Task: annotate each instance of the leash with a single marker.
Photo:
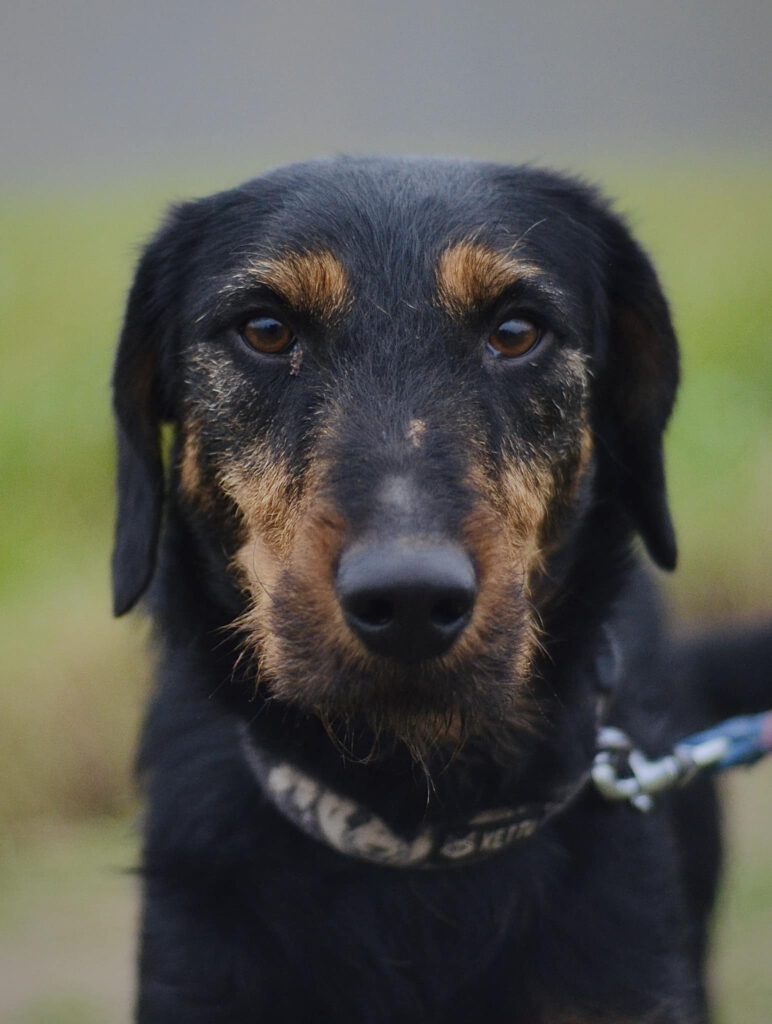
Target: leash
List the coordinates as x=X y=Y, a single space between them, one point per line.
x=622 y=772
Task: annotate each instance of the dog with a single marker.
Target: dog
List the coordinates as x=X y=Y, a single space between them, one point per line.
x=392 y=557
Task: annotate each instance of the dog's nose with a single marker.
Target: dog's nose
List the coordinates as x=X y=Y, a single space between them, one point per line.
x=405 y=601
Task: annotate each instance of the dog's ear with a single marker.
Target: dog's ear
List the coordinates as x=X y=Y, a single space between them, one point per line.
x=140 y=389
x=642 y=380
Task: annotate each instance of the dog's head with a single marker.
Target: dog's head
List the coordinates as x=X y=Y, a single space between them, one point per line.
x=400 y=390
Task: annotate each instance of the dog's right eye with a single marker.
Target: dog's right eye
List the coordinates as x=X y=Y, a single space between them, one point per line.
x=268 y=335
x=514 y=338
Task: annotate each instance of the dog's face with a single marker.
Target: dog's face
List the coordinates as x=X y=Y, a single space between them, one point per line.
x=395 y=387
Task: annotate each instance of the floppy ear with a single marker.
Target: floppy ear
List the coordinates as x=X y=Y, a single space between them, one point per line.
x=139 y=406
x=642 y=384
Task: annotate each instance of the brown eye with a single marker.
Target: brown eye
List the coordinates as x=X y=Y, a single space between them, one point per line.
x=514 y=338
x=268 y=335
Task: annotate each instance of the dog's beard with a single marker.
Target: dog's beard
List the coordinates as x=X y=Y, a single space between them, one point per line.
x=484 y=691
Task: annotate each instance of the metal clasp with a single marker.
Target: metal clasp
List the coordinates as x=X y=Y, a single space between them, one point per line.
x=622 y=772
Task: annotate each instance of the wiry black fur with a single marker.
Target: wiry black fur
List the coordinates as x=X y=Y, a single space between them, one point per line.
x=602 y=916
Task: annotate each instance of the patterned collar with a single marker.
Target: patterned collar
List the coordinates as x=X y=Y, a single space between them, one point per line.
x=352 y=829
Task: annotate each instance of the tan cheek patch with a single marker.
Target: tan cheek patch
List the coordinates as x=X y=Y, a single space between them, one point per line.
x=498 y=600
x=503 y=535
x=415 y=433
x=312 y=282
x=265 y=495
x=190 y=463
x=287 y=529
x=524 y=498
x=584 y=462
x=470 y=276
x=309 y=580
x=519 y=496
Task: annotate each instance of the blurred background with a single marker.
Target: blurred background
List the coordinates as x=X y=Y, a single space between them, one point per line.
x=108 y=112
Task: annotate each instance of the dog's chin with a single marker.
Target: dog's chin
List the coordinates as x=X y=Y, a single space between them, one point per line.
x=427 y=735
x=433 y=710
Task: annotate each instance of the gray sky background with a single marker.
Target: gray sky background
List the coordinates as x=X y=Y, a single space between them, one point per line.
x=98 y=91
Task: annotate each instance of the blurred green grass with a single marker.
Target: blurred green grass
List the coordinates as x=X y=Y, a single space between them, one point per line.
x=74 y=680
x=67 y=917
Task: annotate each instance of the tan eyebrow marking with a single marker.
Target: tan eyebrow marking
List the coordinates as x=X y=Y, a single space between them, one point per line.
x=471 y=275
x=312 y=282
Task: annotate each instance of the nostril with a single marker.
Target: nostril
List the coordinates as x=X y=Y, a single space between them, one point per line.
x=372 y=611
x=449 y=611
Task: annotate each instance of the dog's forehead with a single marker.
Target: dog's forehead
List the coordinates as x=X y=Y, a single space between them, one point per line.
x=370 y=203
x=390 y=223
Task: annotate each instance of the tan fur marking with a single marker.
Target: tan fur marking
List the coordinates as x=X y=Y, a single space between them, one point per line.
x=503 y=532
x=286 y=529
x=262 y=490
x=521 y=495
x=586 y=453
x=416 y=430
x=315 y=553
x=190 y=463
x=471 y=275
x=313 y=282
x=500 y=565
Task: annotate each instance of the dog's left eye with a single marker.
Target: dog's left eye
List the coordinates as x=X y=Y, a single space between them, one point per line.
x=268 y=335
x=514 y=338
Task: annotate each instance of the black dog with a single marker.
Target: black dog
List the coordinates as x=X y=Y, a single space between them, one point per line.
x=418 y=412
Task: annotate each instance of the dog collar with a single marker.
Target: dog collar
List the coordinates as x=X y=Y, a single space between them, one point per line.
x=354 y=830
